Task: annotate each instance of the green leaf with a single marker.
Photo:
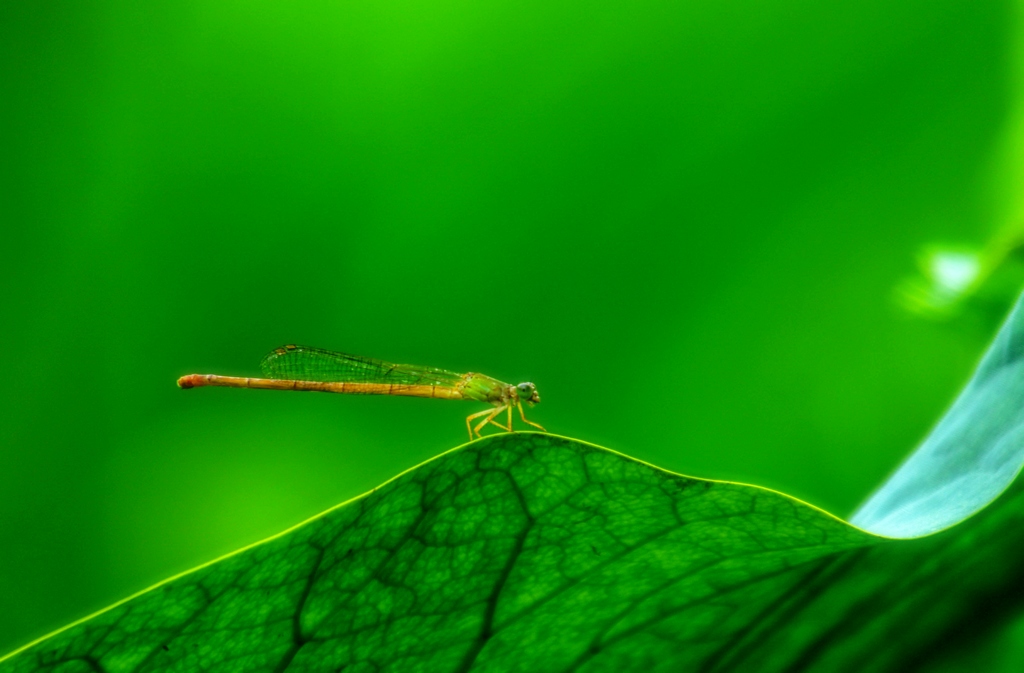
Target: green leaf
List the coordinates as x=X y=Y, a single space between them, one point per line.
x=540 y=553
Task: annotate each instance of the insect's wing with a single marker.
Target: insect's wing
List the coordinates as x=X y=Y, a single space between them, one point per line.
x=302 y=363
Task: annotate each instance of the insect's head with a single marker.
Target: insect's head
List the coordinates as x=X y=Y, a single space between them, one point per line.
x=528 y=393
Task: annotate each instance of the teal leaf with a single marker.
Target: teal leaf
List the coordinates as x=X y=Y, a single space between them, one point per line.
x=971 y=456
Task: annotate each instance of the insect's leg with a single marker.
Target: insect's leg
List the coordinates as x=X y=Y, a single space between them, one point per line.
x=523 y=416
x=489 y=419
x=470 y=418
x=507 y=428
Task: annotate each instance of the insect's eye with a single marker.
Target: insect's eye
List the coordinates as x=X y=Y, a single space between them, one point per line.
x=524 y=387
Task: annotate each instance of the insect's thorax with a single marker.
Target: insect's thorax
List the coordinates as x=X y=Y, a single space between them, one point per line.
x=480 y=387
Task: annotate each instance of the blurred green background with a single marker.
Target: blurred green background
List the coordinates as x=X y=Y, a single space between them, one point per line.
x=683 y=220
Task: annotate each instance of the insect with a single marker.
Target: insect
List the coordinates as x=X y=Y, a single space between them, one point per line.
x=294 y=367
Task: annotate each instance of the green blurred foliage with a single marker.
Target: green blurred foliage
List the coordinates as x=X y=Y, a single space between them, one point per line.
x=682 y=220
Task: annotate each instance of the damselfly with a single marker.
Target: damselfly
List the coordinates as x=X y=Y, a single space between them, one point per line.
x=313 y=369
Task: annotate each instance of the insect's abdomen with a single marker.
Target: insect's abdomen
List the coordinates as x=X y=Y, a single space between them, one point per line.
x=345 y=388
